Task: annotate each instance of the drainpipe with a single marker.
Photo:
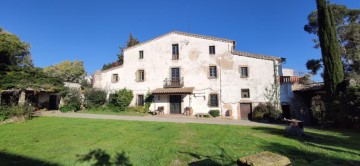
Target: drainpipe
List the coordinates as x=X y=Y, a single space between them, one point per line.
x=221 y=110
x=277 y=100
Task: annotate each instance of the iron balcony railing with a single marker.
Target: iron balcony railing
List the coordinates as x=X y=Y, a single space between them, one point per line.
x=174 y=82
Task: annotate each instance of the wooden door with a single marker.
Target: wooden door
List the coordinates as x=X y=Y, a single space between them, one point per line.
x=245 y=111
x=175 y=104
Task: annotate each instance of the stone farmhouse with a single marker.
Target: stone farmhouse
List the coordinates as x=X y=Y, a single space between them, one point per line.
x=189 y=70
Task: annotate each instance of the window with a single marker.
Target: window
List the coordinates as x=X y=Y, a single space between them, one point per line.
x=245 y=93
x=140 y=100
x=244 y=72
x=140 y=75
x=211 y=49
x=175 y=51
x=214 y=102
x=115 y=78
x=212 y=72
x=141 y=54
x=175 y=74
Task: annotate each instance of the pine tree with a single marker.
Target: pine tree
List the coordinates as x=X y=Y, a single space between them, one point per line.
x=132 y=41
x=333 y=67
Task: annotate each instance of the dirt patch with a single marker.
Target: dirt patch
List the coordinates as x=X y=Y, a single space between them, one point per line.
x=228 y=106
x=194 y=54
x=226 y=62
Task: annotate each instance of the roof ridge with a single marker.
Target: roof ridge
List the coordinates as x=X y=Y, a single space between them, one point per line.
x=181 y=33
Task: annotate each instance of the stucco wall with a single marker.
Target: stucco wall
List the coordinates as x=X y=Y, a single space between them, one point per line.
x=194 y=61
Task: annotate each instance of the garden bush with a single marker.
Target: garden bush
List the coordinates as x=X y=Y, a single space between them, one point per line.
x=266 y=112
x=94 y=98
x=318 y=109
x=148 y=100
x=139 y=109
x=72 y=100
x=121 y=99
x=349 y=106
x=10 y=111
x=214 y=113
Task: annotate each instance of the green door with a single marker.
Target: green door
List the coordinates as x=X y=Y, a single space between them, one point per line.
x=175 y=104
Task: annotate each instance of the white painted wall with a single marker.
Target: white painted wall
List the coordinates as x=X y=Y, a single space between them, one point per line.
x=288 y=72
x=194 y=61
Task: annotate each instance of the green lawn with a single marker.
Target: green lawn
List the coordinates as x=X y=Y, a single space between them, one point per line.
x=71 y=141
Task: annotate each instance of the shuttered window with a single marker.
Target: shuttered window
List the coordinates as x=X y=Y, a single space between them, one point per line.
x=212 y=72
x=140 y=100
x=175 y=51
x=115 y=78
x=244 y=72
x=213 y=100
x=140 y=75
x=211 y=49
x=141 y=54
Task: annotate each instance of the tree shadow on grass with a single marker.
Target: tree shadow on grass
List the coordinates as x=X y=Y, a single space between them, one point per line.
x=327 y=142
x=102 y=158
x=220 y=160
x=13 y=159
x=305 y=157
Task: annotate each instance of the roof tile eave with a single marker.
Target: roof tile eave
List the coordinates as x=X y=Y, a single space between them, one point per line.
x=258 y=56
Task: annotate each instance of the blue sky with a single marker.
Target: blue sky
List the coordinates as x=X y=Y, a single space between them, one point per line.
x=93 y=30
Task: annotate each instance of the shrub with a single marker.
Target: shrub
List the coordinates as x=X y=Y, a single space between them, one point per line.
x=214 y=113
x=148 y=100
x=121 y=99
x=72 y=100
x=7 y=112
x=94 y=98
x=349 y=114
x=318 y=109
x=266 y=112
x=139 y=109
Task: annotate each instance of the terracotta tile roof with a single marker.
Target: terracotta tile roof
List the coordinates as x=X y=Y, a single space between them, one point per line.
x=258 y=56
x=184 y=34
x=185 y=90
x=317 y=86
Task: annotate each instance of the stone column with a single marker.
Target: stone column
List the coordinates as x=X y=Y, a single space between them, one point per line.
x=22 y=99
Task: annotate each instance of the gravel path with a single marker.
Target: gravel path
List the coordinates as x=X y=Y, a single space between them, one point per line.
x=156 y=118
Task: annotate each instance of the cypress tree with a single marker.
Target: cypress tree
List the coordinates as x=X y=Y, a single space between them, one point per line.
x=333 y=67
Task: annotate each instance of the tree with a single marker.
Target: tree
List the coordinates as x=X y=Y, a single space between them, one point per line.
x=314 y=65
x=17 y=70
x=333 y=67
x=68 y=71
x=129 y=43
x=13 y=51
x=132 y=41
x=348 y=30
x=22 y=78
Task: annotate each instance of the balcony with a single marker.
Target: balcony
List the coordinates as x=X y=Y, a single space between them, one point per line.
x=174 y=83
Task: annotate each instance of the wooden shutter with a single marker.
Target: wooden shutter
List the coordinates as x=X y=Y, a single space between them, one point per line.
x=137 y=76
x=144 y=74
x=208 y=71
x=209 y=100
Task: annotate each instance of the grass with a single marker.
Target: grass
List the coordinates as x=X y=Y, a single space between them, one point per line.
x=108 y=112
x=71 y=141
